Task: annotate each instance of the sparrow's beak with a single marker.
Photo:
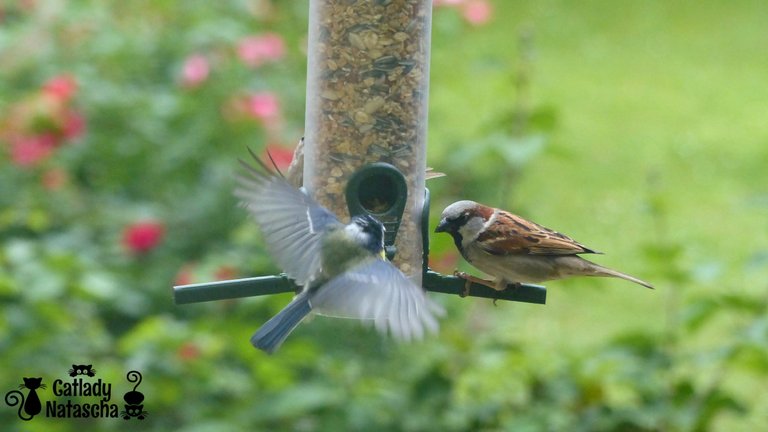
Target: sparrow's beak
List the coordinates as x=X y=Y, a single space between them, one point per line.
x=442 y=226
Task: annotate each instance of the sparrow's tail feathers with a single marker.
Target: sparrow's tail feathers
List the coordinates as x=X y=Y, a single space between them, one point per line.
x=602 y=271
x=272 y=334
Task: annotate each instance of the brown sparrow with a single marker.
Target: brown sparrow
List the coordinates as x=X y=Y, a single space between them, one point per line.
x=515 y=250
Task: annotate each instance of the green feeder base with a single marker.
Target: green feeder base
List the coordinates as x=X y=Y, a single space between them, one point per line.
x=265 y=285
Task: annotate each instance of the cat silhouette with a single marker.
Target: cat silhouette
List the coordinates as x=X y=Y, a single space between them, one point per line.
x=29 y=405
x=82 y=370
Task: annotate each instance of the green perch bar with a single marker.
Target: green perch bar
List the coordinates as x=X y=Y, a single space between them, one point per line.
x=265 y=285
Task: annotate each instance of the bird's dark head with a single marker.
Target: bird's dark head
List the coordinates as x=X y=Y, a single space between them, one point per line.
x=369 y=232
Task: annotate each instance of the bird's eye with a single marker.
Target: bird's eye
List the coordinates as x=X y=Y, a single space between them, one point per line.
x=458 y=219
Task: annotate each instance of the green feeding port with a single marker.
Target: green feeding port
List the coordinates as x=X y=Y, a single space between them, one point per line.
x=379 y=189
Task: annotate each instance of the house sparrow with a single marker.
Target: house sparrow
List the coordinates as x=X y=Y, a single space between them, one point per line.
x=515 y=250
x=342 y=268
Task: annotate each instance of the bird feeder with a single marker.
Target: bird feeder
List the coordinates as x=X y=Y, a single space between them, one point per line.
x=367 y=91
x=365 y=138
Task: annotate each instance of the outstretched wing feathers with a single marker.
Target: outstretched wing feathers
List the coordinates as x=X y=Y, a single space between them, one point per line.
x=292 y=223
x=377 y=291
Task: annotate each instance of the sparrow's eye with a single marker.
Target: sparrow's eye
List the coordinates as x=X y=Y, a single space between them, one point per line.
x=458 y=219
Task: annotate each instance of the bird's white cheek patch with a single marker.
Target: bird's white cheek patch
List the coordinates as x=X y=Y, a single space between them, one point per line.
x=471 y=230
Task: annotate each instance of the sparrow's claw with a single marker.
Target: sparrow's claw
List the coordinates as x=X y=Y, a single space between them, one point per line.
x=473 y=279
x=467 y=278
x=467 y=284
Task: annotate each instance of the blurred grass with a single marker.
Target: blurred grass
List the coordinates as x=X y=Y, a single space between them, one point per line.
x=660 y=105
x=650 y=113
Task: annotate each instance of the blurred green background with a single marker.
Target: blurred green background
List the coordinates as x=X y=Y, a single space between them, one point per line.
x=638 y=128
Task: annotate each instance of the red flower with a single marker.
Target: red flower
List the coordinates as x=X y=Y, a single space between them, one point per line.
x=281 y=155
x=61 y=87
x=142 y=237
x=256 y=50
x=225 y=272
x=185 y=276
x=188 y=351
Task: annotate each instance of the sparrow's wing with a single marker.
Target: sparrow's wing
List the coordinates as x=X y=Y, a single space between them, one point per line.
x=292 y=223
x=512 y=235
x=376 y=290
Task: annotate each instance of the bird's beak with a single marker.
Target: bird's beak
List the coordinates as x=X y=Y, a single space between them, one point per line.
x=442 y=226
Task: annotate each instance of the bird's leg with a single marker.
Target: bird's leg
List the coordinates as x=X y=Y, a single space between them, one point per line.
x=472 y=279
x=502 y=285
x=462 y=275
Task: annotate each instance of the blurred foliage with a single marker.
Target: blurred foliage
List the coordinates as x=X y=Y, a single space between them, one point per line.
x=639 y=132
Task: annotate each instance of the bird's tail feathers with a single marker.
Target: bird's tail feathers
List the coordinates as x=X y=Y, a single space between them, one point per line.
x=603 y=271
x=272 y=334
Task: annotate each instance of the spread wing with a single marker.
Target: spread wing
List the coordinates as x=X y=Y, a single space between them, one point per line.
x=376 y=290
x=510 y=234
x=292 y=223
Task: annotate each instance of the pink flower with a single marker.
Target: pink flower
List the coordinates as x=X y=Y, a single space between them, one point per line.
x=264 y=106
x=31 y=150
x=74 y=125
x=142 y=237
x=195 y=71
x=257 y=50
x=281 y=155
x=477 y=12
x=61 y=87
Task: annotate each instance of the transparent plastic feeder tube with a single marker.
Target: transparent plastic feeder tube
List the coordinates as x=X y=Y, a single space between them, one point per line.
x=367 y=91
